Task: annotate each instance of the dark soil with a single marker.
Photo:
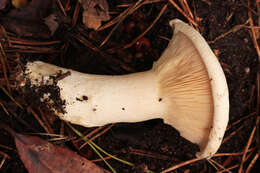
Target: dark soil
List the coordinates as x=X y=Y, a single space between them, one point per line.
x=160 y=145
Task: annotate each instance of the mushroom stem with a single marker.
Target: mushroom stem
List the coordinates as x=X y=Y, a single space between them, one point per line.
x=96 y=100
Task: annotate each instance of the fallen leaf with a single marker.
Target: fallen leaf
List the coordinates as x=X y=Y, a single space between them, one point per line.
x=51 y=22
x=19 y=3
x=95 y=11
x=41 y=156
x=3 y=4
x=29 y=20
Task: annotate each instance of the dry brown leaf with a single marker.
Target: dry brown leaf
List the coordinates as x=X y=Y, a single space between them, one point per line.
x=3 y=4
x=95 y=11
x=41 y=156
x=28 y=21
x=19 y=3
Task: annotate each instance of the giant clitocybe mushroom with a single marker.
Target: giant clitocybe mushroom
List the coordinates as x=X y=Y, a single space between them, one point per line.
x=186 y=88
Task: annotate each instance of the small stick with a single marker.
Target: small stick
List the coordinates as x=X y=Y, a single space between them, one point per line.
x=62 y=8
x=246 y=149
x=241 y=119
x=184 y=14
x=148 y=29
x=11 y=97
x=64 y=75
x=233 y=154
x=45 y=119
x=100 y=160
x=149 y=154
x=76 y=14
x=6 y=147
x=233 y=133
x=2 y=162
x=117 y=19
x=90 y=134
x=198 y=159
x=252 y=163
x=96 y=136
x=182 y=164
x=3 y=62
x=67 y=5
x=38 y=119
x=5 y=155
x=120 y=21
x=232 y=167
x=213 y=164
x=32 y=42
x=5 y=110
x=39 y=51
x=219 y=165
x=232 y=30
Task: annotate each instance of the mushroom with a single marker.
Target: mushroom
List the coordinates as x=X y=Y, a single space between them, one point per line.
x=186 y=88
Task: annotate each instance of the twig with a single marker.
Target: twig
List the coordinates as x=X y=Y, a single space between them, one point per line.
x=149 y=154
x=148 y=29
x=39 y=51
x=232 y=30
x=246 y=149
x=45 y=119
x=253 y=35
x=14 y=40
x=233 y=154
x=99 y=160
x=241 y=119
x=120 y=21
x=252 y=163
x=184 y=14
x=62 y=8
x=5 y=110
x=198 y=159
x=38 y=119
x=6 y=147
x=233 y=133
x=253 y=31
x=181 y=165
x=96 y=136
x=187 y=9
x=90 y=134
x=76 y=14
x=116 y=19
x=2 y=162
x=11 y=97
x=230 y=168
x=213 y=164
x=219 y=165
x=5 y=155
x=3 y=62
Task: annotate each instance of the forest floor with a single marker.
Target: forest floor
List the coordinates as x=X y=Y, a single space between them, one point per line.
x=133 y=38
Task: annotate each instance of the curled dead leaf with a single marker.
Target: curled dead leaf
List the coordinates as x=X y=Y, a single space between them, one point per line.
x=29 y=21
x=19 y=3
x=3 y=4
x=95 y=11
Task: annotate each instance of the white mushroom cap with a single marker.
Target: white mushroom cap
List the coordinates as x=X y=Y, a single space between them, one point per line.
x=197 y=88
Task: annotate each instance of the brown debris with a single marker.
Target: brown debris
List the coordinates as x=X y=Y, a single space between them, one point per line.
x=95 y=11
x=3 y=4
x=28 y=21
x=38 y=154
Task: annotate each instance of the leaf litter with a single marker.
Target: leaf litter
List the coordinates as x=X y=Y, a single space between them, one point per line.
x=39 y=155
x=95 y=11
